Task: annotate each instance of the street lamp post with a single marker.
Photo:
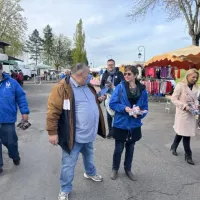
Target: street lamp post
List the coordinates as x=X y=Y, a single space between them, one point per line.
x=92 y=63
x=140 y=54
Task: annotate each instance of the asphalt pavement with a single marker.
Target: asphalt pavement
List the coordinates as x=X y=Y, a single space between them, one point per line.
x=161 y=176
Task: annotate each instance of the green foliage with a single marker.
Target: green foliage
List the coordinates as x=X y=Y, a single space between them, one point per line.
x=56 y=50
x=34 y=46
x=48 y=43
x=12 y=26
x=61 y=56
x=79 y=53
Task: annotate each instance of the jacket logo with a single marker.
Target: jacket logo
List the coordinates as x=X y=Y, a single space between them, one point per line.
x=7 y=84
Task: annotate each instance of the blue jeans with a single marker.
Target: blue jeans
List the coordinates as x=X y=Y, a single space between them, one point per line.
x=119 y=147
x=69 y=162
x=9 y=139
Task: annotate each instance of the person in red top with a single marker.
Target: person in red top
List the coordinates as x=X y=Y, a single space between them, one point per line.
x=19 y=78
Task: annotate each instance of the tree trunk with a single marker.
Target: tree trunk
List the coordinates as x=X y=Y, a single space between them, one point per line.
x=195 y=40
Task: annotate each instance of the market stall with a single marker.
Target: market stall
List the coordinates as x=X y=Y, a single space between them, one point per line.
x=161 y=71
x=185 y=58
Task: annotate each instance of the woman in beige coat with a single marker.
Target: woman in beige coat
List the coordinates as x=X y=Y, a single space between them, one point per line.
x=185 y=95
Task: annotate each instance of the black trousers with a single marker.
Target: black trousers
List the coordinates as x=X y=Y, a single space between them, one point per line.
x=186 y=143
x=119 y=147
x=109 y=120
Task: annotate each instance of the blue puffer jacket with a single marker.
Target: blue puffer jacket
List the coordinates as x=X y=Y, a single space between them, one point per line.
x=11 y=95
x=119 y=101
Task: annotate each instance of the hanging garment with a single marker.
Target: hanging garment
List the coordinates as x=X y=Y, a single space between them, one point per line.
x=150 y=72
x=158 y=74
x=173 y=83
x=140 y=72
x=173 y=73
x=179 y=73
x=169 y=72
x=164 y=72
x=169 y=87
x=163 y=87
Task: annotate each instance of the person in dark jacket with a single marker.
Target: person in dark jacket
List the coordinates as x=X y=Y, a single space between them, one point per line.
x=18 y=77
x=12 y=74
x=111 y=78
x=11 y=96
x=127 y=126
x=21 y=79
x=74 y=118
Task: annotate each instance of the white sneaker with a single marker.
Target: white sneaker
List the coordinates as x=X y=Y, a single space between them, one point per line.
x=63 y=196
x=96 y=178
x=198 y=128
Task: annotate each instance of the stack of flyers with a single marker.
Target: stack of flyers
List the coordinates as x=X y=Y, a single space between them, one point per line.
x=194 y=111
x=24 y=124
x=136 y=111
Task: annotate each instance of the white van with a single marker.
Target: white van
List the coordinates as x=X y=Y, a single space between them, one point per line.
x=25 y=70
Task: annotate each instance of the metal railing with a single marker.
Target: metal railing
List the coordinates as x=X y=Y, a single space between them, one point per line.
x=38 y=80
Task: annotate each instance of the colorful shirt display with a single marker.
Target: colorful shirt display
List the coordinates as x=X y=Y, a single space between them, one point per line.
x=160 y=72
x=158 y=86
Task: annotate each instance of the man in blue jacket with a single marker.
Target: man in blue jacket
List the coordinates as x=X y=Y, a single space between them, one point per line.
x=11 y=95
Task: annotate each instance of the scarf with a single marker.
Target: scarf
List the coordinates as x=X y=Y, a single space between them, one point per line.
x=111 y=76
x=134 y=96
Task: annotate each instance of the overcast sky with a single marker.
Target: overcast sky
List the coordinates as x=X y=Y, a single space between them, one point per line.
x=108 y=30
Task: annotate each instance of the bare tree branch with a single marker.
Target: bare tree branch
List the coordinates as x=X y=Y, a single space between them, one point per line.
x=189 y=9
x=189 y=5
x=196 y=21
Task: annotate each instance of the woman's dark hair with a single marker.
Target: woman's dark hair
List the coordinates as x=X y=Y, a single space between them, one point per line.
x=131 y=68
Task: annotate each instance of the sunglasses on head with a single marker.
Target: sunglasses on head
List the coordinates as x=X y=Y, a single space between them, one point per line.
x=128 y=74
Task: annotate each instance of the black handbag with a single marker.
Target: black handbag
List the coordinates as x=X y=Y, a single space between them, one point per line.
x=135 y=134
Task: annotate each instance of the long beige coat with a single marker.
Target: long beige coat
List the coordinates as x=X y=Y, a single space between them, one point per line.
x=185 y=122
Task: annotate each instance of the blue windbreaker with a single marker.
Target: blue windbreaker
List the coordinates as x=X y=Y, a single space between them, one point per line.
x=11 y=95
x=119 y=101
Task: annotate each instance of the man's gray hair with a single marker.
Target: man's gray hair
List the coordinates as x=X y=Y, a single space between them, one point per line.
x=79 y=67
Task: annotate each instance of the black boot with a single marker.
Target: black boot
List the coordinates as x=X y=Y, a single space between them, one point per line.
x=173 y=150
x=16 y=161
x=189 y=160
x=175 y=144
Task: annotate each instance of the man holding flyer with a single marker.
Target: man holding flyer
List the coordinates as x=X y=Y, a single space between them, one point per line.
x=110 y=79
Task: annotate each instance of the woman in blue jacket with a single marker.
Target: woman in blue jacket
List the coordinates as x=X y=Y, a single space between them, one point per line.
x=127 y=128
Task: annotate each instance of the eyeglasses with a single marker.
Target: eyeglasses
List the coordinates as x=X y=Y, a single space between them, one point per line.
x=128 y=74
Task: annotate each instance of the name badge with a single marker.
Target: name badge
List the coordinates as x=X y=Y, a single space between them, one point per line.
x=66 y=104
